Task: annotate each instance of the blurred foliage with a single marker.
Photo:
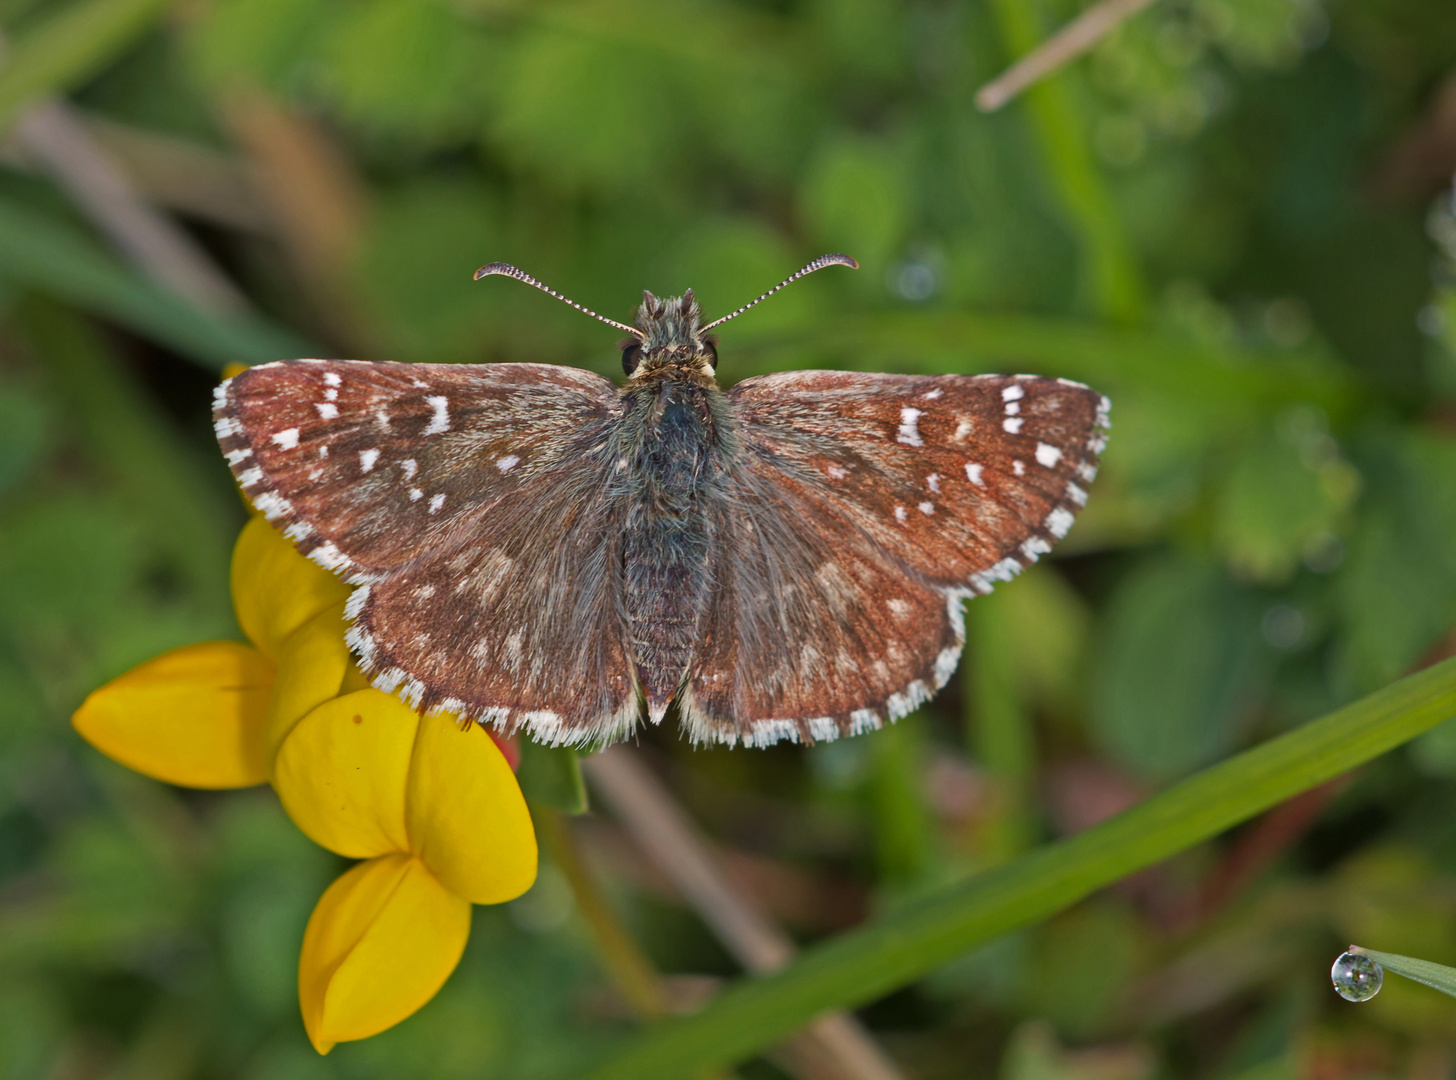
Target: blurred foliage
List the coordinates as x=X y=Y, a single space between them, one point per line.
x=1225 y=217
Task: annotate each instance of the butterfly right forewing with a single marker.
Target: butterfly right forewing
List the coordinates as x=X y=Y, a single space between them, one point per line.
x=861 y=510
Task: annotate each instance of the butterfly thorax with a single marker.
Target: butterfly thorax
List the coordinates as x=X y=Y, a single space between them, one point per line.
x=675 y=444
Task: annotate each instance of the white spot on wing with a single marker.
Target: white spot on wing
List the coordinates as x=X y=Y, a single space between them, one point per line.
x=973 y=474
x=1012 y=424
x=226 y=426
x=440 y=422
x=1047 y=454
x=332 y=379
x=328 y=556
x=410 y=467
x=367 y=458
x=1004 y=570
x=964 y=428
x=1076 y=494
x=933 y=482
x=235 y=456
x=248 y=477
x=272 y=505
x=1018 y=468
x=416 y=494
x=1034 y=547
x=900 y=513
x=507 y=463
x=932 y=394
x=909 y=434
x=927 y=508
x=836 y=472
x=437 y=501
x=326 y=410
x=1012 y=393
x=1059 y=521
x=287 y=439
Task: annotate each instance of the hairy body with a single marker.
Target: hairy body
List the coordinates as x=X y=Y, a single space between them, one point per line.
x=537 y=549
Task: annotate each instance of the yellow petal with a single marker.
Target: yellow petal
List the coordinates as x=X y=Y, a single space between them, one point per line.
x=193 y=716
x=312 y=665
x=342 y=771
x=275 y=589
x=466 y=816
x=381 y=942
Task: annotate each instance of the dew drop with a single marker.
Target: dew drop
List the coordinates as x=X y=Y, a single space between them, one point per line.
x=1356 y=977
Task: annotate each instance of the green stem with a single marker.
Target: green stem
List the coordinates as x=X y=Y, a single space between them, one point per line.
x=69 y=48
x=893 y=951
x=998 y=726
x=189 y=513
x=40 y=250
x=624 y=960
x=1111 y=279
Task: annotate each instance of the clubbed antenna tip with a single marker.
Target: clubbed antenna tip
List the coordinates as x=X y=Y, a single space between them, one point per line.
x=818 y=264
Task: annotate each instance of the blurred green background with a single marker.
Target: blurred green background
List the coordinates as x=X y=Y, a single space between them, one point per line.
x=1234 y=217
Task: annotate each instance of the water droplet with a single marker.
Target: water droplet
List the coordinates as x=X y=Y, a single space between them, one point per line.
x=1356 y=977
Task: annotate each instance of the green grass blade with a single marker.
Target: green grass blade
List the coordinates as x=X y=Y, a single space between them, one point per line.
x=50 y=255
x=1111 y=278
x=1436 y=976
x=192 y=514
x=898 y=949
x=70 y=48
x=1107 y=358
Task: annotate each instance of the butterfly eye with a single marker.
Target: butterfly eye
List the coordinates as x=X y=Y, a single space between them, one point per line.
x=711 y=348
x=630 y=354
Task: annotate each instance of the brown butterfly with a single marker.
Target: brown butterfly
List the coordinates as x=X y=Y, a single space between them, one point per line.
x=538 y=549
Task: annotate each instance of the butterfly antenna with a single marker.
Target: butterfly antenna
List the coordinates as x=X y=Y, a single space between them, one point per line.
x=818 y=264
x=508 y=270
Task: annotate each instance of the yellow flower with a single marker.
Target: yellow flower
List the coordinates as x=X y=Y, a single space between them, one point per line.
x=434 y=811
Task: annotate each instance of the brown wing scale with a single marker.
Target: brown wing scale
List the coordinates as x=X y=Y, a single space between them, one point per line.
x=426 y=485
x=859 y=499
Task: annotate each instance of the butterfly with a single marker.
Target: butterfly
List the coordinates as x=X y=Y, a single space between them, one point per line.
x=540 y=550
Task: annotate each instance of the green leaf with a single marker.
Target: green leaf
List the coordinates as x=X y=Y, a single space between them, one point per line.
x=1182 y=664
x=25 y=432
x=49 y=254
x=892 y=951
x=68 y=49
x=1436 y=976
x=1276 y=498
x=551 y=775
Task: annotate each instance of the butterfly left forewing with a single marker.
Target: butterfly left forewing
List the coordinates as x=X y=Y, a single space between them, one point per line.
x=473 y=505
x=365 y=466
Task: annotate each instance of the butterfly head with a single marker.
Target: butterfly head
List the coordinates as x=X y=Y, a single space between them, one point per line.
x=669 y=334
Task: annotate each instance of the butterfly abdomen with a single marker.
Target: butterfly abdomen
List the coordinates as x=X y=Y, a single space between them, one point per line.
x=674 y=438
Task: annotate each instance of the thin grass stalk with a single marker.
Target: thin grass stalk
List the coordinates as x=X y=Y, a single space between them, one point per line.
x=894 y=951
